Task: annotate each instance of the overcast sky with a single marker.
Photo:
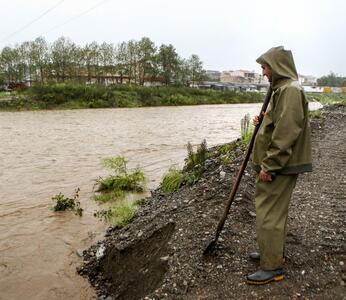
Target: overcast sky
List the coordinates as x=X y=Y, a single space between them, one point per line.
x=225 y=34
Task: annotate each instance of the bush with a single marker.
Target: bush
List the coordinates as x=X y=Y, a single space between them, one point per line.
x=198 y=158
x=119 y=215
x=77 y=95
x=64 y=203
x=327 y=98
x=172 y=180
x=246 y=130
x=316 y=114
x=120 y=181
x=110 y=196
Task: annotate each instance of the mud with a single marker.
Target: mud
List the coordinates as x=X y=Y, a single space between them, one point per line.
x=160 y=254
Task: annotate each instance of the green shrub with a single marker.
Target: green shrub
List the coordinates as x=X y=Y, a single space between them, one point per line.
x=110 y=196
x=198 y=158
x=225 y=149
x=114 y=185
x=246 y=130
x=328 y=98
x=191 y=178
x=120 y=215
x=316 y=114
x=172 y=180
x=63 y=203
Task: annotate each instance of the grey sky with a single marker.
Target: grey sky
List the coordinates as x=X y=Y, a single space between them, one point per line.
x=226 y=35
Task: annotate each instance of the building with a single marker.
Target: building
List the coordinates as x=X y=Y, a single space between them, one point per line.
x=243 y=77
x=213 y=75
x=307 y=80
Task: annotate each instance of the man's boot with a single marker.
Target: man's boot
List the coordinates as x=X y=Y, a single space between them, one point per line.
x=265 y=276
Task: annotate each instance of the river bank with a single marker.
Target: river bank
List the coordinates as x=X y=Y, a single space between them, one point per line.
x=159 y=255
x=66 y=96
x=77 y=96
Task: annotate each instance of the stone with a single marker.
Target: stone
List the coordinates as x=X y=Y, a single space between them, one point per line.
x=100 y=251
x=164 y=258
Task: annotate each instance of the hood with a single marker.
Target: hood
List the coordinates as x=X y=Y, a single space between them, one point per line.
x=281 y=62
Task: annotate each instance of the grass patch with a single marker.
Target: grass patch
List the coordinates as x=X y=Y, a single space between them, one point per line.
x=247 y=129
x=115 y=187
x=328 y=98
x=316 y=114
x=196 y=159
x=120 y=214
x=63 y=203
x=172 y=180
x=110 y=196
x=121 y=180
x=192 y=172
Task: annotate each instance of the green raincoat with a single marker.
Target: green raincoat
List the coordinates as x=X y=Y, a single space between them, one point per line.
x=283 y=145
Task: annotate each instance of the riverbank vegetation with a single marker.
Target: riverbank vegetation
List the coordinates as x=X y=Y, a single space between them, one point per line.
x=197 y=162
x=72 y=96
x=316 y=114
x=120 y=181
x=75 y=95
x=116 y=187
x=192 y=171
x=328 y=98
x=63 y=203
x=246 y=129
x=119 y=214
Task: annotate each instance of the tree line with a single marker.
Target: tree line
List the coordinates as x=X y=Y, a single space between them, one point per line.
x=332 y=80
x=63 y=60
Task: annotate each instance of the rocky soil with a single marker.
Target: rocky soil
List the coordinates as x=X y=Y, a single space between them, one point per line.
x=160 y=254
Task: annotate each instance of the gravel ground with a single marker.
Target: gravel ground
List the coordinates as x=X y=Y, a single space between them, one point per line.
x=160 y=254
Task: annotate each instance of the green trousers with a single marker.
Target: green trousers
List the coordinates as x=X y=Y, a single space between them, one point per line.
x=272 y=201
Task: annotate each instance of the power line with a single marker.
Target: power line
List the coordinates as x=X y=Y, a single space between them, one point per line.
x=33 y=21
x=75 y=17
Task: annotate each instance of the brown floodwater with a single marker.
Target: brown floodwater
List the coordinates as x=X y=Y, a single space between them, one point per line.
x=47 y=152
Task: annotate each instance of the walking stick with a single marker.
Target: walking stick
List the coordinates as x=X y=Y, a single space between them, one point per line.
x=211 y=244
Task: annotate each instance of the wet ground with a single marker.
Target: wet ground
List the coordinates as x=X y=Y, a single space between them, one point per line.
x=160 y=254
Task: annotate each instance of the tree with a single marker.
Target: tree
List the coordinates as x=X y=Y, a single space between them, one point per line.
x=332 y=80
x=40 y=58
x=196 y=72
x=106 y=54
x=92 y=60
x=168 y=61
x=183 y=74
x=147 y=66
x=121 y=58
x=24 y=62
x=137 y=60
x=7 y=64
x=132 y=56
x=62 y=53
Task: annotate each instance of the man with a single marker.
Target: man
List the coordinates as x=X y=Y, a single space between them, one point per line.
x=282 y=150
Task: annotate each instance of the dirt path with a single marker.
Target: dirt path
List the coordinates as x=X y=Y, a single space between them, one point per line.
x=159 y=255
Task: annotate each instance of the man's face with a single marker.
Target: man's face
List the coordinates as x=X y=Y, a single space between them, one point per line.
x=267 y=71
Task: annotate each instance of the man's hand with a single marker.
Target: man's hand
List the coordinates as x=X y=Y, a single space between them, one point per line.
x=265 y=176
x=255 y=120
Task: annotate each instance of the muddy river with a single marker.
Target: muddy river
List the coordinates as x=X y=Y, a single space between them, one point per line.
x=47 y=152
